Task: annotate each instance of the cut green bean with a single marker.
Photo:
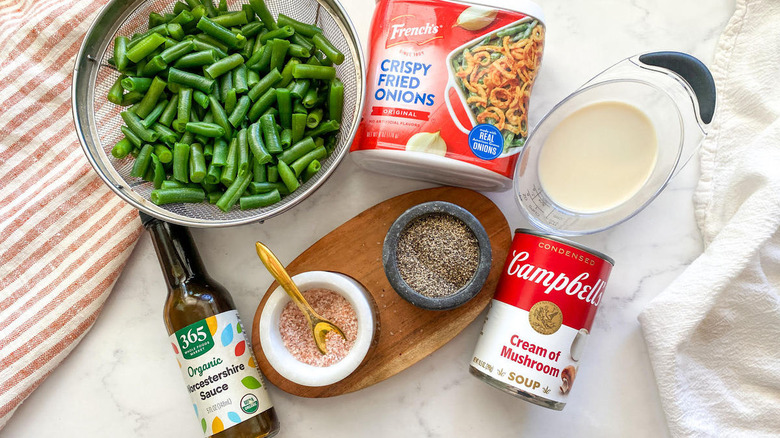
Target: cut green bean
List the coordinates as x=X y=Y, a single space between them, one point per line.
x=257 y=146
x=175 y=31
x=278 y=52
x=225 y=85
x=265 y=84
x=297 y=150
x=135 y=124
x=304 y=29
x=270 y=135
x=183 y=17
x=132 y=83
x=252 y=78
x=120 y=52
x=311 y=170
x=177 y=195
x=213 y=174
x=336 y=100
x=231 y=19
x=151 y=97
x=272 y=173
x=197 y=163
x=155 y=114
x=158 y=172
x=283 y=32
x=314 y=118
x=181 y=162
x=258 y=171
x=173 y=53
x=287 y=76
x=170 y=112
x=163 y=153
x=141 y=163
x=301 y=163
x=240 y=79
x=252 y=29
x=219 y=158
x=230 y=169
x=116 y=93
x=243 y=152
x=144 y=47
x=213 y=197
x=201 y=98
x=192 y=80
x=328 y=48
x=220 y=117
x=221 y=33
x=257 y=188
x=262 y=11
x=122 y=149
x=285 y=138
x=154 y=66
x=324 y=128
x=224 y=65
x=165 y=134
x=259 y=201
x=184 y=109
x=201 y=46
x=298 y=126
x=231 y=99
x=240 y=111
x=197 y=59
x=308 y=71
x=302 y=41
x=132 y=136
x=288 y=177
x=284 y=102
x=210 y=130
x=299 y=88
x=262 y=104
x=234 y=192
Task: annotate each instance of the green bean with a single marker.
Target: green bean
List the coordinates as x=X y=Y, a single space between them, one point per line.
x=213 y=197
x=270 y=135
x=288 y=177
x=154 y=66
x=220 y=117
x=220 y=152
x=197 y=163
x=311 y=99
x=149 y=101
x=285 y=138
x=159 y=171
x=177 y=195
x=201 y=98
x=272 y=111
x=201 y=46
x=301 y=163
x=161 y=29
x=258 y=171
x=258 y=201
x=165 y=134
x=116 y=93
x=170 y=112
x=324 y=128
x=311 y=170
x=175 y=31
x=298 y=126
x=297 y=150
x=257 y=188
x=181 y=162
x=336 y=100
x=210 y=130
x=234 y=192
x=225 y=85
x=184 y=109
x=163 y=153
x=319 y=141
x=302 y=41
x=322 y=59
x=287 y=76
x=272 y=173
x=243 y=152
x=304 y=29
x=231 y=99
x=120 y=52
x=328 y=49
x=257 y=146
x=262 y=11
x=240 y=111
x=183 y=17
x=197 y=59
x=299 y=88
x=176 y=52
x=221 y=33
x=134 y=123
x=232 y=19
x=314 y=118
x=132 y=136
x=283 y=32
x=133 y=83
x=308 y=71
x=155 y=114
x=141 y=163
x=122 y=148
x=252 y=29
x=224 y=65
x=230 y=169
x=144 y=47
x=212 y=42
x=298 y=108
x=179 y=6
x=213 y=174
x=222 y=6
x=249 y=48
x=192 y=80
x=278 y=52
x=240 y=79
x=265 y=84
x=252 y=78
x=208 y=5
x=249 y=12
x=284 y=101
x=262 y=104
x=261 y=59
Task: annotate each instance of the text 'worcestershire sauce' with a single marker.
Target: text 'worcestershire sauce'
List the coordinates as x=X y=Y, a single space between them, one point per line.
x=216 y=360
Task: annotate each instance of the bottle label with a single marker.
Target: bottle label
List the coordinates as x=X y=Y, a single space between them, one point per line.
x=220 y=372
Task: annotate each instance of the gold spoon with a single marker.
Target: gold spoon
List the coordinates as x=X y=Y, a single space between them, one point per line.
x=319 y=326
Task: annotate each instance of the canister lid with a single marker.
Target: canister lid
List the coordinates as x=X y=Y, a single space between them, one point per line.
x=526 y=7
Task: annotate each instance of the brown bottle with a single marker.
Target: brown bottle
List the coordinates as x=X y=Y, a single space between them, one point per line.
x=211 y=346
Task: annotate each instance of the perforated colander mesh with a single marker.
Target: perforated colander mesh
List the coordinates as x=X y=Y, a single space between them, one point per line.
x=102 y=119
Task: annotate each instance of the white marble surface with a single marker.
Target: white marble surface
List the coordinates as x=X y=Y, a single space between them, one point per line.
x=122 y=381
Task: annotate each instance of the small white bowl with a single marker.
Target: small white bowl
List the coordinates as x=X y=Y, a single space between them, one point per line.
x=301 y=373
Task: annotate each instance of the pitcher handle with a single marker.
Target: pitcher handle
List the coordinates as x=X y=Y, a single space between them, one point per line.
x=452 y=111
x=694 y=72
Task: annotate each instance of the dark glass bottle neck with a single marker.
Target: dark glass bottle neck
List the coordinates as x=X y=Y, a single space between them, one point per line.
x=178 y=256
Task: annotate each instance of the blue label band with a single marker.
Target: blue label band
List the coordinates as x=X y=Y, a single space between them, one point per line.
x=486 y=142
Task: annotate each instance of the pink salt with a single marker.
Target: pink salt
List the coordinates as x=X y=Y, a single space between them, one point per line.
x=297 y=335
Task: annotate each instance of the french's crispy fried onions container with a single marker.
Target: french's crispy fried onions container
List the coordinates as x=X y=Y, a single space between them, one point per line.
x=448 y=90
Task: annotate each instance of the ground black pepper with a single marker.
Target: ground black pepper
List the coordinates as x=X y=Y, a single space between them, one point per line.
x=437 y=255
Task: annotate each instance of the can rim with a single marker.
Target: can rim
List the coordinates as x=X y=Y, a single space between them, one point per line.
x=526 y=7
x=581 y=247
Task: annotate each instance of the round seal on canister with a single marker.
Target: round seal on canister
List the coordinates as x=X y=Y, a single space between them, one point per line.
x=448 y=90
x=540 y=318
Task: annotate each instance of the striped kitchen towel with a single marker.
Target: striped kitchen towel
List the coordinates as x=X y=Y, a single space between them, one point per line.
x=64 y=236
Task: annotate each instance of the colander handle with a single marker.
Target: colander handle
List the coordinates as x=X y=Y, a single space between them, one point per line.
x=454 y=116
x=694 y=72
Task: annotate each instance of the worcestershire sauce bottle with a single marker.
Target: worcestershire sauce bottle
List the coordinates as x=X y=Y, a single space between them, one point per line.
x=211 y=346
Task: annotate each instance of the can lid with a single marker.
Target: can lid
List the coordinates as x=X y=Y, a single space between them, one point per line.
x=598 y=254
x=526 y=7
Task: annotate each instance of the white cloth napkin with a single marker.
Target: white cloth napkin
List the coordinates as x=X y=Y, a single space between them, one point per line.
x=714 y=334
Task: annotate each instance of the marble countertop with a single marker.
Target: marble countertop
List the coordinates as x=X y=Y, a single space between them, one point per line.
x=122 y=381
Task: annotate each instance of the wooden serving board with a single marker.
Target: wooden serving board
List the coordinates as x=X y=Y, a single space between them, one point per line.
x=406 y=333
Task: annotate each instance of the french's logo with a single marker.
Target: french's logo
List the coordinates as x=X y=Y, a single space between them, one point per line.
x=406 y=29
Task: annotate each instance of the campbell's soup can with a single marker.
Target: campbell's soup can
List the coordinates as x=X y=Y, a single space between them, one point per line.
x=540 y=318
x=449 y=84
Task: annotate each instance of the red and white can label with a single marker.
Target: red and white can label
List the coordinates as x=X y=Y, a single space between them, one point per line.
x=541 y=316
x=451 y=79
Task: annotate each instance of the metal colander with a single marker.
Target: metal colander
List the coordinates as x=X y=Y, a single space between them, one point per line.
x=97 y=120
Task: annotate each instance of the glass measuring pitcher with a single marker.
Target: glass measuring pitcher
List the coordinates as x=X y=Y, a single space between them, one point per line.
x=677 y=94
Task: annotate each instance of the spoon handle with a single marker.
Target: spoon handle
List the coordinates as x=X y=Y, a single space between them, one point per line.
x=276 y=269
